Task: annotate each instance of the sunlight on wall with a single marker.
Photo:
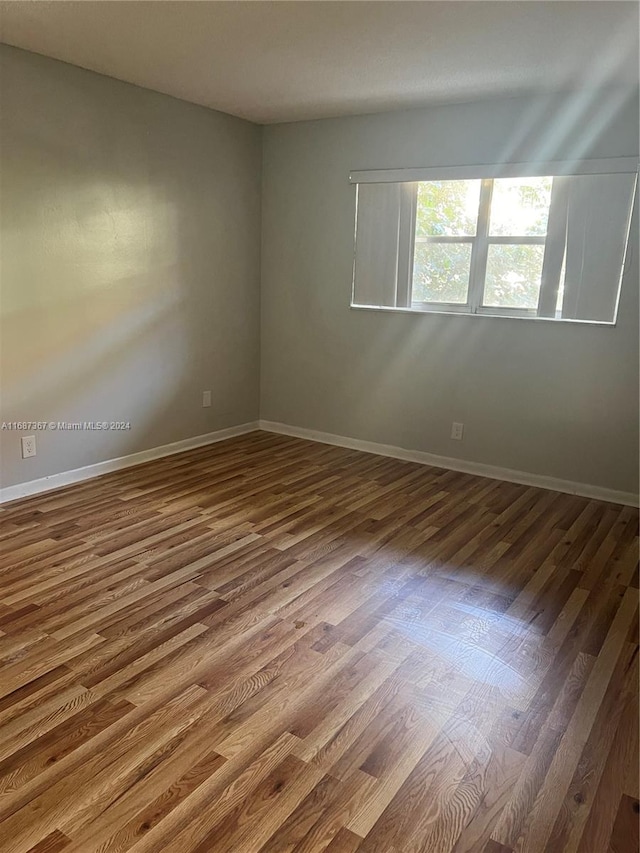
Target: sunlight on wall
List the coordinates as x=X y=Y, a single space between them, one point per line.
x=565 y=133
x=110 y=294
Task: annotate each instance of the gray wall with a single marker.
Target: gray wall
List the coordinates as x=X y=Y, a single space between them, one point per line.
x=548 y=398
x=131 y=283
x=130 y=264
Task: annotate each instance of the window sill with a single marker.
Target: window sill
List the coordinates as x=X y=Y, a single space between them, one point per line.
x=484 y=314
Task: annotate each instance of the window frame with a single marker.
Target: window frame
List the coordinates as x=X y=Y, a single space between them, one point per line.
x=480 y=242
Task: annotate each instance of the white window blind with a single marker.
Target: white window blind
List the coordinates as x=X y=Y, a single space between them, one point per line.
x=597 y=225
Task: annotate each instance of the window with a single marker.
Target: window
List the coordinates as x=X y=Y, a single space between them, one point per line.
x=528 y=246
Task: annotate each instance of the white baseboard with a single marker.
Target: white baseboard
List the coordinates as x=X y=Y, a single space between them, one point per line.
x=88 y=472
x=67 y=478
x=492 y=471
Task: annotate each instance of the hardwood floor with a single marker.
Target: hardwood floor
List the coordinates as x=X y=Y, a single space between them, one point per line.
x=274 y=645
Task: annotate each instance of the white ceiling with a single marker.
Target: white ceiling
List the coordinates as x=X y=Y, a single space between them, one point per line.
x=285 y=61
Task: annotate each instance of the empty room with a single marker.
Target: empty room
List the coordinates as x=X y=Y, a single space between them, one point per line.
x=319 y=338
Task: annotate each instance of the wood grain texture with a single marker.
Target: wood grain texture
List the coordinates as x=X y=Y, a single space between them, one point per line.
x=274 y=645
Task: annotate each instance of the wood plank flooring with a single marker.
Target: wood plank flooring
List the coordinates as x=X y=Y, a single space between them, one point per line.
x=274 y=645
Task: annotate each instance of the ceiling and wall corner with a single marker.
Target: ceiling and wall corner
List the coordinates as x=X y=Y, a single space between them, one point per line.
x=273 y=62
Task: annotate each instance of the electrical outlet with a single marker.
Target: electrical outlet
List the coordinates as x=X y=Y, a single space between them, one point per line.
x=456 y=431
x=206 y=399
x=28 y=446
